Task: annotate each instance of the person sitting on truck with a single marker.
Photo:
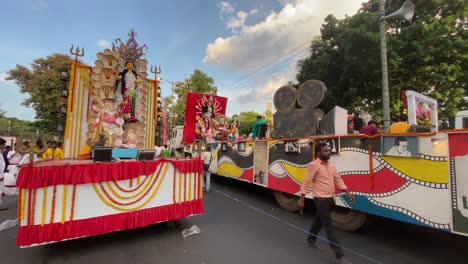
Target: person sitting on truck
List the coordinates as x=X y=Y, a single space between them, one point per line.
x=166 y=153
x=370 y=129
x=401 y=126
x=256 y=127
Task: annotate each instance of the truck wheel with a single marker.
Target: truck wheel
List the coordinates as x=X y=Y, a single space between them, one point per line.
x=347 y=219
x=287 y=201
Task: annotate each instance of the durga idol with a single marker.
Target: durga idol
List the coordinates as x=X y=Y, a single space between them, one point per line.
x=127 y=90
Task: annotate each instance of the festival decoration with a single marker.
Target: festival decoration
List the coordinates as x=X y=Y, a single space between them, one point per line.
x=200 y=116
x=106 y=202
x=422 y=110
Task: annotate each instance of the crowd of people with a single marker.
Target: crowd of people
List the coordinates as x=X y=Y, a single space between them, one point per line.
x=357 y=125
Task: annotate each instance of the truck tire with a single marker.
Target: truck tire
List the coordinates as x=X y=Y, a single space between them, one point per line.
x=347 y=219
x=287 y=201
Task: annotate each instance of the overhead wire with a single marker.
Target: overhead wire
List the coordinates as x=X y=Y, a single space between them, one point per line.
x=267 y=70
x=268 y=73
x=260 y=68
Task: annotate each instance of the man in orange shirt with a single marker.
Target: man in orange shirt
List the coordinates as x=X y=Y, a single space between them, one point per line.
x=324 y=176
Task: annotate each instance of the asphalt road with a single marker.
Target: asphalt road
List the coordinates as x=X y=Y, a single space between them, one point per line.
x=251 y=228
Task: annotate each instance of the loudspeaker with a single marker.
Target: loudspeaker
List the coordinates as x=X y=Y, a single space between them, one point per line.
x=102 y=154
x=146 y=154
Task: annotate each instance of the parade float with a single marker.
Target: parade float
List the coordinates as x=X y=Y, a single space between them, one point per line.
x=418 y=178
x=111 y=105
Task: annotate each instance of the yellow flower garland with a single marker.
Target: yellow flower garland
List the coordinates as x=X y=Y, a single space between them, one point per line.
x=44 y=205
x=64 y=202
x=23 y=201
x=96 y=189
x=190 y=187
x=139 y=192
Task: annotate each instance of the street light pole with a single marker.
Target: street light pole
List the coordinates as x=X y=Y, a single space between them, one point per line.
x=383 y=55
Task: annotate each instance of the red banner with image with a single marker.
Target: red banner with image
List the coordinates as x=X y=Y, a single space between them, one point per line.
x=194 y=109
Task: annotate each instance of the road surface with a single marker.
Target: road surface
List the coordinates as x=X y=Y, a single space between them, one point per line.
x=242 y=224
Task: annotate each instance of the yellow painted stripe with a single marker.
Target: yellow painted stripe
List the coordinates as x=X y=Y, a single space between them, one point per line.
x=229 y=169
x=420 y=169
x=295 y=172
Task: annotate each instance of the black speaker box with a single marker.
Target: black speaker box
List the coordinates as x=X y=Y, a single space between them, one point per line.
x=102 y=154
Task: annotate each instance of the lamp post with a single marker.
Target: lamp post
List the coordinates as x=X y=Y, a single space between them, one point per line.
x=406 y=12
x=383 y=56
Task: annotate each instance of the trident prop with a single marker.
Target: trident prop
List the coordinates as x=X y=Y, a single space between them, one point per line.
x=156 y=71
x=77 y=54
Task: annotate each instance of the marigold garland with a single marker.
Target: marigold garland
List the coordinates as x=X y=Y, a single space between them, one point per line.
x=185 y=187
x=137 y=207
x=174 y=187
x=44 y=205
x=64 y=202
x=180 y=187
x=200 y=185
x=20 y=204
x=132 y=202
x=29 y=207
x=157 y=172
x=130 y=190
x=72 y=211
x=33 y=207
x=52 y=213
x=190 y=187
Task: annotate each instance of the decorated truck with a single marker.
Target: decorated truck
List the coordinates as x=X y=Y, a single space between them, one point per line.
x=415 y=177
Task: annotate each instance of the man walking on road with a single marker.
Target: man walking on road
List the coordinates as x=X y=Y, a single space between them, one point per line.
x=324 y=176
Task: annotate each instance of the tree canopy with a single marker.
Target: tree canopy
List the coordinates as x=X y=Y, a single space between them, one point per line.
x=427 y=55
x=199 y=82
x=42 y=82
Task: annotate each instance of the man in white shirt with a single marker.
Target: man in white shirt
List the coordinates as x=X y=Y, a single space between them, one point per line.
x=2 y=167
x=206 y=158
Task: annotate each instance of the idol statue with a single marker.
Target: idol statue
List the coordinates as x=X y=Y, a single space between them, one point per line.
x=127 y=91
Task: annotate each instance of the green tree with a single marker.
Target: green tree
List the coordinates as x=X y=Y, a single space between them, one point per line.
x=14 y=127
x=427 y=55
x=199 y=82
x=42 y=82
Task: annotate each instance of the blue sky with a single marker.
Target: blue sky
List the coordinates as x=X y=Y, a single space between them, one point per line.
x=231 y=41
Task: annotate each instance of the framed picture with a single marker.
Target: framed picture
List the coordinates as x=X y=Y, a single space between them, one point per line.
x=292 y=146
x=333 y=144
x=422 y=110
x=401 y=146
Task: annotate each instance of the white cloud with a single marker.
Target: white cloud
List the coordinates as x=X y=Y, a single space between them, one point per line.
x=263 y=91
x=253 y=12
x=104 y=43
x=238 y=22
x=253 y=45
x=225 y=8
x=3 y=76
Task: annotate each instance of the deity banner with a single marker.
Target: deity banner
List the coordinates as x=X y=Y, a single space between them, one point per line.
x=201 y=106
